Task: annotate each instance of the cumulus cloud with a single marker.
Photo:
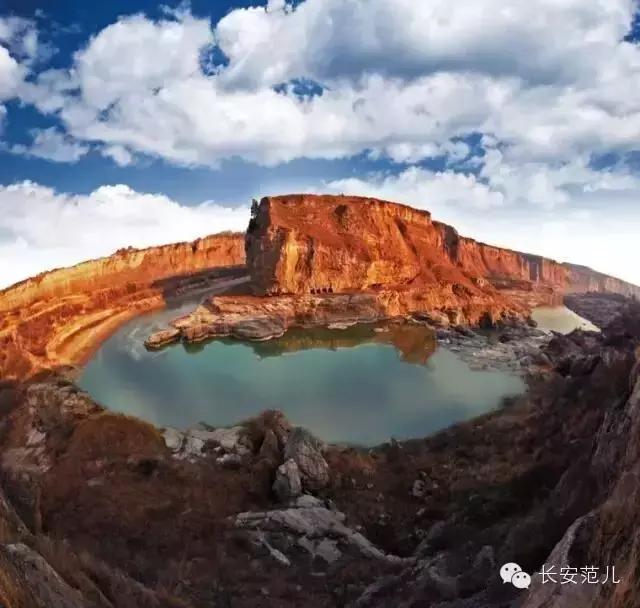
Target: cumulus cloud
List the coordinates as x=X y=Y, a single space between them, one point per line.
x=52 y=145
x=541 y=42
x=549 y=80
x=42 y=229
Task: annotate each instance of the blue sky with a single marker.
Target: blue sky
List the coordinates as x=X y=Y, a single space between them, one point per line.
x=136 y=122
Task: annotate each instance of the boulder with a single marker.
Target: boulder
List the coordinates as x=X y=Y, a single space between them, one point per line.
x=303 y=448
x=258 y=329
x=288 y=484
x=270 y=448
x=315 y=524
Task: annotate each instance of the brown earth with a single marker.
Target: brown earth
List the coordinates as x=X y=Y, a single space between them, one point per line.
x=58 y=318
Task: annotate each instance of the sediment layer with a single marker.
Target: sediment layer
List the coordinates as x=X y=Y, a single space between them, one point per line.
x=59 y=317
x=316 y=260
x=316 y=244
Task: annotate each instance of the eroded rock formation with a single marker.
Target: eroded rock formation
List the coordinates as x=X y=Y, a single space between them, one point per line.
x=321 y=260
x=57 y=318
x=317 y=244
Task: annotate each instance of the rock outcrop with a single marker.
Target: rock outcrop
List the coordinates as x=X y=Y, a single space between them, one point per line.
x=263 y=318
x=336 y=260
x=59 y=317
x=318 y=244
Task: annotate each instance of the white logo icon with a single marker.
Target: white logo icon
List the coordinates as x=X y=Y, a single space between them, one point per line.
x=512 y=573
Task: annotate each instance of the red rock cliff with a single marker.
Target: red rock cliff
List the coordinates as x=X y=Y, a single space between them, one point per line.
x=58 y=317
x=311 y=243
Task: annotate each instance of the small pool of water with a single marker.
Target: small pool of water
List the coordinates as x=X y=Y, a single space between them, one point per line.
x=560 y=319
x=360 y=385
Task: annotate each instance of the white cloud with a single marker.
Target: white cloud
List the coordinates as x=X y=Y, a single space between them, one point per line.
x=425 y=189
x=42 y=229
x=543 y=41
x=19 y=48
x=119 y=154
x=549 y=80
x=52 y=145
x=11 y=74
x=20 y=36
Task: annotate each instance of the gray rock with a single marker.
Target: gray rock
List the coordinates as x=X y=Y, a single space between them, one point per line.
x=304 y=449
x=418 y=489
x=564 y=596
x=314 y=523
x=45 y=585
x=232 y=440
x=173 y=439
x=192 y=447
x=230 y=461
x=260 y=328
x=270 y=448
x=326 y=549
x=278 y=555
x=288 y=484
x=184 y=446
x=306 y=501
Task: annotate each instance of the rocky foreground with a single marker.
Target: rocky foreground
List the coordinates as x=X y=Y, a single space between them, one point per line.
x=99 y=509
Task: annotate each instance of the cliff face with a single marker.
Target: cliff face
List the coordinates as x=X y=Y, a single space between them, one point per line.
x=582 y=280
x=310 y=243
x=58 y=317
x=136 y=266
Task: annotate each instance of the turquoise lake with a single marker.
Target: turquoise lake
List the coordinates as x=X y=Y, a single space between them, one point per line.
x=359 y=386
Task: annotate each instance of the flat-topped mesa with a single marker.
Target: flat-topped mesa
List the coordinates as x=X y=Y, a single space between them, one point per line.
x=330 y=260
x=318 y=244
x=306 y=243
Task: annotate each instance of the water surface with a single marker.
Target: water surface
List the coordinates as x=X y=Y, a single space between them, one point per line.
x=361 y=385
x=560 y=319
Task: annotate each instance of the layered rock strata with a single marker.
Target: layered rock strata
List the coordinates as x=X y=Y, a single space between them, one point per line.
x=59 y=317
x=321 y=260
x=318 y=244
x=264 y=318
